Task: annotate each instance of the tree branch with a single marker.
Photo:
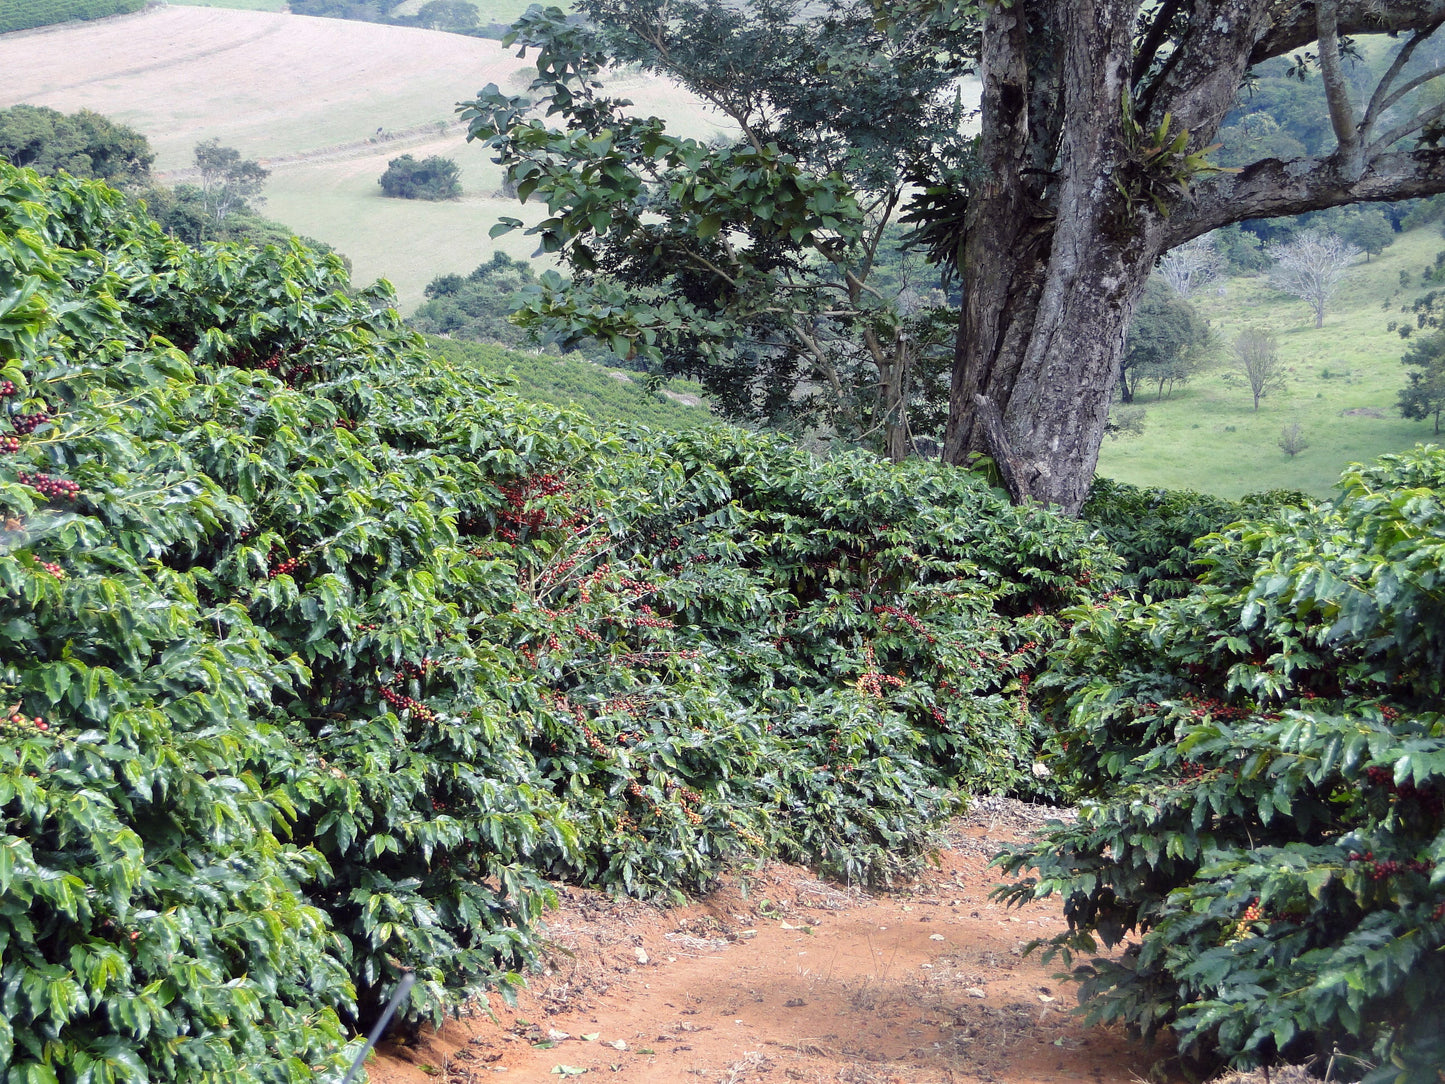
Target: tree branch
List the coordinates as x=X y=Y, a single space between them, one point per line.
x=1337 y=91
x=1153 y=39
x=1418 y=81
x=1400 y=131
x=1382 y=99
x=1295 y=26
x=1274 y=188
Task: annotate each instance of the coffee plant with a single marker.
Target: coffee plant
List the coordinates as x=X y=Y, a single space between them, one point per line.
x=322 y=654
x=1153 y=531
x=1263 y=767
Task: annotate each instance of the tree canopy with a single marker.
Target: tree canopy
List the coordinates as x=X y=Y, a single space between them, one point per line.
x=477 y=306
x=84 y=144
x=1168 y=343
x=1423 y=396
x=752 y=262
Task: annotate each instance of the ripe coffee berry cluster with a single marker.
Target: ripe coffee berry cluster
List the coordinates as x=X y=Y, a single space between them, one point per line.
x=25 y=424
x=1212 y=707
x=415 y=670
x=49 y=486
x=902 y=615
x=1189 y=771
x=9 y=445
x=53 y=569
x=1428 y=798
x=401 y=702
x=1382 y=869
x=285 y=568
x=647 y=619
x=7 y=388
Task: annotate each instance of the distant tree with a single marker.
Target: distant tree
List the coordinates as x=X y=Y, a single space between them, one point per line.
x=228 y=181
x=1168 y=342
x=1257 y=354
x=1311 y=268
x=1292 y=440
x=1125 y=421
x=449 y=15
x=433 y=178
x=1424 y=396
x=477 y=306
x=1241 y=249
x=1368 y=229
x=365 y=10
x=84 y=144
x=1191 y=266
x=1258 y=135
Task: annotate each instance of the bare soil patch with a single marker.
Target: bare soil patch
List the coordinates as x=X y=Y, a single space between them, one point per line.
x=779 y=976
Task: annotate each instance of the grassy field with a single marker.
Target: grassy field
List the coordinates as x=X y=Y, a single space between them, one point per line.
x=407 y=242
x=306 y=96
x=1209 y=437
x=607 y=396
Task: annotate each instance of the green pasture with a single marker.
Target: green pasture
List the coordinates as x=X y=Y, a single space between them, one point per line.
x=408 y=242
x=607 y=396
x=1208 y=436
x=490 y=11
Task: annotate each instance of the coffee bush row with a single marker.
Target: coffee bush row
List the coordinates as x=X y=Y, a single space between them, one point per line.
x=322 y=655
x=1263 y=767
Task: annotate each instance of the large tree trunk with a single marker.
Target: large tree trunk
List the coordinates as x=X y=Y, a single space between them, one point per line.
x=1052 y=266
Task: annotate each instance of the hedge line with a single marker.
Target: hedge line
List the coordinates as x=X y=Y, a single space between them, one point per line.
x=24 y=14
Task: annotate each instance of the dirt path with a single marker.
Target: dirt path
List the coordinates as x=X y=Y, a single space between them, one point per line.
x=777 y=976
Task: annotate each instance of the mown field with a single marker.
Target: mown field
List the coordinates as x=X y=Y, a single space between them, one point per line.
x=239 y=5
x=306 y=96
x=1209 y=437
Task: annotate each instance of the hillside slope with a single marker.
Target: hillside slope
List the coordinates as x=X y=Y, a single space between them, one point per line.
x=307 y=97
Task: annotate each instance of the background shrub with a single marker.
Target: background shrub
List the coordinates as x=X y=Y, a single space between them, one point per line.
x=433 y=178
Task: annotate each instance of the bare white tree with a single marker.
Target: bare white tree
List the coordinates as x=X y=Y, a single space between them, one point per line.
x=1258 y=356
x=1311 y=267
x=1192 y=265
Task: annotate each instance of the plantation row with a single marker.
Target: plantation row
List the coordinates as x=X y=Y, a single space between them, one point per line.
x=321 y=654
x=24 y=14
